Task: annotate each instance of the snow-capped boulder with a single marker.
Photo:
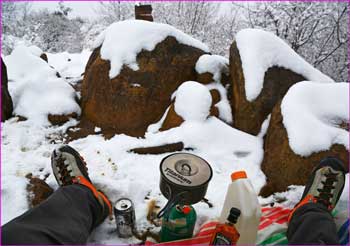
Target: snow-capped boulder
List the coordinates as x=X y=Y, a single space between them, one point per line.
x=193 y=102
x=36 y=91
x=263 y=67
x=212 y=68
x=132 y=73
x=6 y=100
x=309 y=124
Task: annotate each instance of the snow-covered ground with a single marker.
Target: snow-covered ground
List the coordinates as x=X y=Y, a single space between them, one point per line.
x=27 y=147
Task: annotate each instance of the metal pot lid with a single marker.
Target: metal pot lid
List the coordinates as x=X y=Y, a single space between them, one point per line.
x=186 y=169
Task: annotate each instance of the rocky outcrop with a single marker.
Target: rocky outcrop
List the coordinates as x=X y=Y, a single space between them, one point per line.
x=133 y=100
x=282 y=166
x=6 y=100
x=248 y=116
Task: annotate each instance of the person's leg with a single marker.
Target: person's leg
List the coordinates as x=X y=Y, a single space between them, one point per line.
x=66 y=217
x=310 y=221
x=70 y=214
x=312 y=224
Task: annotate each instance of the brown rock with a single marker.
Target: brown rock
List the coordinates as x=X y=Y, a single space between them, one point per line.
x=61 y=119
x=171 y=120
x=282 y=166
x=7 y=106
x=82 y=130
x=248 y=116
x=214 y=111
x=44 y=57
x=120 y=107
x=215 y=95
x=205 y=78
x=155 y=150
x=38 y=190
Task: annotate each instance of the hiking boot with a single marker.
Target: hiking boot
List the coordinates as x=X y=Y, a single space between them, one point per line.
x=69 y=168
x=325 y=184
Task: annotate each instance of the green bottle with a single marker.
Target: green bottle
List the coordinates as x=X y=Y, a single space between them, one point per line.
x=178 y=223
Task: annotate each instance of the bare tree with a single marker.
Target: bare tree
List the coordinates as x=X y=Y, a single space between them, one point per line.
x=113 y=11
x=316 y=30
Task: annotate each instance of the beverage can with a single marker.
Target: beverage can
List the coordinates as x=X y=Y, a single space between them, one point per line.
x=124 y=213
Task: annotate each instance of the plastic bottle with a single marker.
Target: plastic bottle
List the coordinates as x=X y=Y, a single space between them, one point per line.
x=227 y=234
x=240 y=194
x=178 y=223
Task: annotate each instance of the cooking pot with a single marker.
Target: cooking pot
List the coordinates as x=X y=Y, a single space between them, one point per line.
x=184 y=179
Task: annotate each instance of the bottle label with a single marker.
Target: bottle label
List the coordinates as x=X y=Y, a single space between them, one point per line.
x=221 y=240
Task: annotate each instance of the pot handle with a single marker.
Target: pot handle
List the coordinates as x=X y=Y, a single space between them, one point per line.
x=173 y=200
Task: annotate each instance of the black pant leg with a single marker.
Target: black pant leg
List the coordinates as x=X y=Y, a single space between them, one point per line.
x=67 y=217
x=312 y=224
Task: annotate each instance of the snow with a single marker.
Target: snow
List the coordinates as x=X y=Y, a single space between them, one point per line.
x=71 y=66
x=121 y=49
x=27 y=148
x=34 y=87
x=153 y=128
x=259 y=50
x=312 y=113
x=264 y=127
x=213 y=64
x=225 y=112
x=193 y=101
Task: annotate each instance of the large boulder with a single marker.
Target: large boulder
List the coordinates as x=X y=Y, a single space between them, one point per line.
x=7 y=106
x=290 y=157
x=262 y=69
x=248 y=116
x=131 y=101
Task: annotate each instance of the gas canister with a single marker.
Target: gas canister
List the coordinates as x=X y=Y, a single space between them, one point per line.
x=178 y=223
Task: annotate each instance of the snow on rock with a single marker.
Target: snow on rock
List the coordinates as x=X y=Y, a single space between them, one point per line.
x=225 y=111
x=193 y=101
x=259 y=50
x=122 y=41
x=69 y=65
x=311 y=115
x=213 y=64
x=264 y=127
x=35 y=90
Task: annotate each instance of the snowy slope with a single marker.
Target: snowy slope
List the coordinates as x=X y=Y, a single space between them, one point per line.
x=260 y=50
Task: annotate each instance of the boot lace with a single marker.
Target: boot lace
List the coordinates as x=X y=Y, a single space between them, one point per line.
x=325 y=193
